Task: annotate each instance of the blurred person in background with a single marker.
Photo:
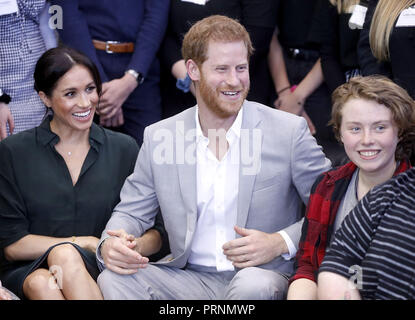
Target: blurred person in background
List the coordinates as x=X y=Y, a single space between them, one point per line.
x=24 y=36
x=295 y=66
x=122 y=38
x=257 y=16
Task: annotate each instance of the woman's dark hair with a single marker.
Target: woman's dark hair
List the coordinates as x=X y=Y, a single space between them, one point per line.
x=53 y=65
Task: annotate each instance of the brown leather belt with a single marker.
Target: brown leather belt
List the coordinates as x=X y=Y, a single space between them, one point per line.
x=114 y=46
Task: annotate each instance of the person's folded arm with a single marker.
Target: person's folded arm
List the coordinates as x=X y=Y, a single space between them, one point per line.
x=342 y=262
x=31 y=246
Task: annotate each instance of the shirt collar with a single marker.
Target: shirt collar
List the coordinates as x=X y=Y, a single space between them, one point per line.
x=46 y=136
x=235 y=129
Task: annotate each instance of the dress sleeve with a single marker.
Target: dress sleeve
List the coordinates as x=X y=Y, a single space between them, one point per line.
x=13 y=218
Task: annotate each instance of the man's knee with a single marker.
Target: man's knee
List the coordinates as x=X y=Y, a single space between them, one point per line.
x=107 y=279
x=116 y=286
x=257 y=284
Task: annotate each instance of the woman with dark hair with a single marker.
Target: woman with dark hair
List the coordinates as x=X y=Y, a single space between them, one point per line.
x=59 y=183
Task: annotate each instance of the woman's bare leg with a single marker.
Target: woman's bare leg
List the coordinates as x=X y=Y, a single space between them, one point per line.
x=40 y=285
x=71 y=274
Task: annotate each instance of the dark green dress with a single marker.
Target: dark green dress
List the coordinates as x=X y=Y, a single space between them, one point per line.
x=37 y=195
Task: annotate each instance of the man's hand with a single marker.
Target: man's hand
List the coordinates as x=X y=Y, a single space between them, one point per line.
x=254 y=248
x=119 y=254
x=116 y=121
x=5 y=117
x=114 y=94
x=290 y=102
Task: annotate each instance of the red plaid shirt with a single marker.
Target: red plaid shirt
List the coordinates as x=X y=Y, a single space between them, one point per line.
x=325 y=197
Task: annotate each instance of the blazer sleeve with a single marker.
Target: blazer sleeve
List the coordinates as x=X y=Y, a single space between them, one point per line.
x=150 y=35
x=307 y=163
x=75 y=32
x=138 y=206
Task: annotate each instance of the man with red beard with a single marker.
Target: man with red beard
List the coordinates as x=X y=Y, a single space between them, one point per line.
x=228 y=175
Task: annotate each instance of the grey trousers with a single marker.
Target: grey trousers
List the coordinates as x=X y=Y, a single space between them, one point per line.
x=157 y=282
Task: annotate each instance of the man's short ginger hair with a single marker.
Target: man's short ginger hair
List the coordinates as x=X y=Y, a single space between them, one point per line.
x=214 y=28
x=385 y=92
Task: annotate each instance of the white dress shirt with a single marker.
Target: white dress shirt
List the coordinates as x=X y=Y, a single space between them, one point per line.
x=217 y=198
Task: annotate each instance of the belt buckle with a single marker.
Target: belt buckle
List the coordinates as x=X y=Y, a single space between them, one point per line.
x=107 y=44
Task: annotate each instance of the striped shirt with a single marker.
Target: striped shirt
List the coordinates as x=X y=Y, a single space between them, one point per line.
x=375 y=246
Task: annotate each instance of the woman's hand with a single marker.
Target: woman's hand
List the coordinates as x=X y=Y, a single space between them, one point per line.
x=5 y=117
x=290 y=102
x=88 y=243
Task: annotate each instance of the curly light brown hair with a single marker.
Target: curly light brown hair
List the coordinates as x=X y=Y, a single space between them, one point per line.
x=385 y=92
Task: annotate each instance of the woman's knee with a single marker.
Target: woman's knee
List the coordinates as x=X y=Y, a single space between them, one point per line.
x=38 y=283
x=63 y=255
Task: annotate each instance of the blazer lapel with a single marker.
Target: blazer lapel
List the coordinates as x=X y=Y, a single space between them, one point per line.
x=250 y=121
x=186 y=167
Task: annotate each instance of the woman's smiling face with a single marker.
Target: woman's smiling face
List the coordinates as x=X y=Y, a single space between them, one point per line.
x=73 y=100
